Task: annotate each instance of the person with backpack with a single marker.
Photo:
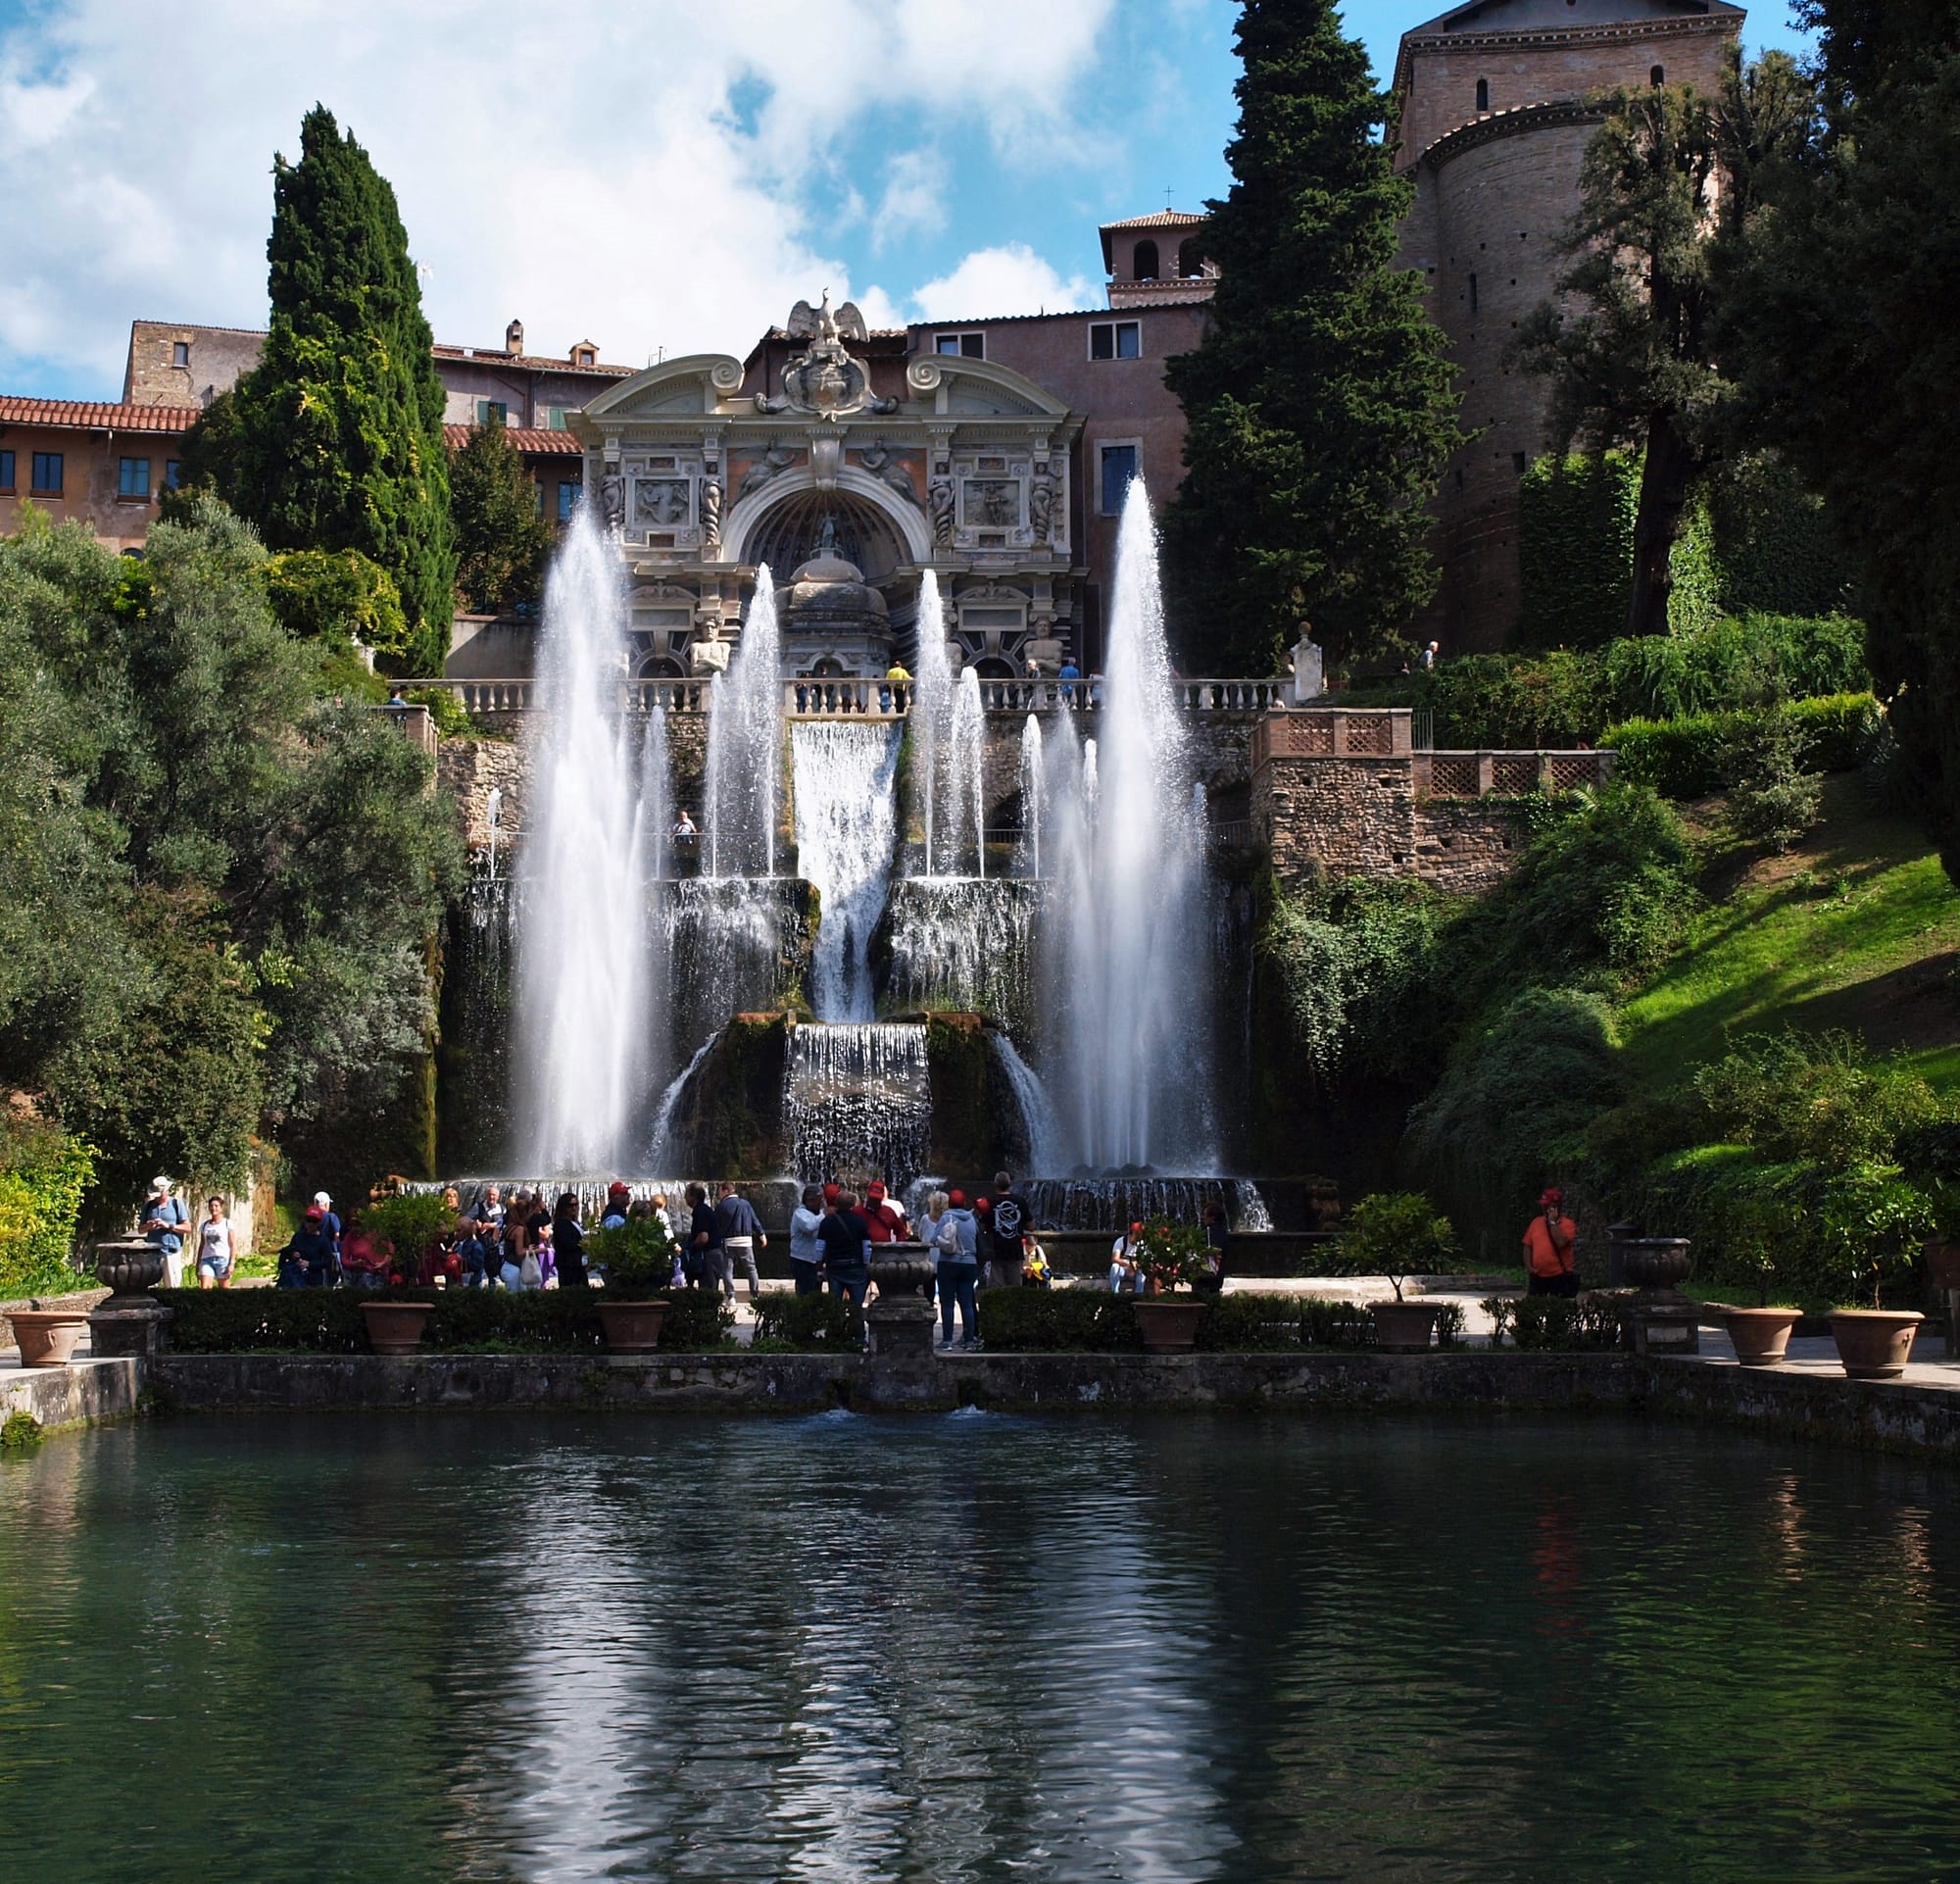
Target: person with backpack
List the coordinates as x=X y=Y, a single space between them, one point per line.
x=741 y=1237
x=956 y=1255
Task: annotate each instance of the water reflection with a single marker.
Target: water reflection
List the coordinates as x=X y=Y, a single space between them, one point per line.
x=974 y=1648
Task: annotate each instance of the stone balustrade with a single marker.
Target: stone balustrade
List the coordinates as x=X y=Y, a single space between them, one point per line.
x=1507 y=774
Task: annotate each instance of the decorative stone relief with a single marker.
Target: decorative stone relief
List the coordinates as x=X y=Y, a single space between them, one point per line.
x=880 y=462
x=824 y=380
x=711 y=513
x=771 y=465
x=940 y=501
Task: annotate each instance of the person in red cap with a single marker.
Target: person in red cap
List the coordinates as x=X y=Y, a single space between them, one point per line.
x=1548 y=1242
x=886 y=1220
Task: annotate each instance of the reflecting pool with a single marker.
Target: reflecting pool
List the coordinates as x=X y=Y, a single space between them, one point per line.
x=973 y=1647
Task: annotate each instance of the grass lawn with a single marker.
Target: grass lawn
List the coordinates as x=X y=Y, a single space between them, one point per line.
x=1858 y=929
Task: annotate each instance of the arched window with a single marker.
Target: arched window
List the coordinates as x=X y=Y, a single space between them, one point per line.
x=1483 y=94
x=1144 y=264
x=1190 y=259
x=1657 y=77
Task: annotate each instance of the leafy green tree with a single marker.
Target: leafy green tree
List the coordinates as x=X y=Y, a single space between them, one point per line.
x=1666 y=189
x=502 y=539
x=337 y=598
x=1319 y=407
x=334 y=440
x=1851 y=353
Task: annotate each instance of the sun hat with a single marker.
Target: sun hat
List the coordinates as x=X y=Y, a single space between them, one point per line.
x=313 y=1214
x=321 y=1200
x=832 y=1192
x=160 y=1184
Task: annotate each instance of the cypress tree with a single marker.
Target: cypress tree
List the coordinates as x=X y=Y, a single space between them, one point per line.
x=502 y=539
x=1320 y=409
x=335 y=437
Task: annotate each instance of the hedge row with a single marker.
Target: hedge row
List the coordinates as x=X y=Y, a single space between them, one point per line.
x=1097 y=1321
x=486 y=1320
x=1580 y=1325
x=1704 y=753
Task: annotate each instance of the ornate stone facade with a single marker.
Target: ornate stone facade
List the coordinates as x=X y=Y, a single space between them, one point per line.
x=828 y=449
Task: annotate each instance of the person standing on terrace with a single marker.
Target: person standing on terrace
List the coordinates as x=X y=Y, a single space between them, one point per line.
x=162 y=1223
x=741 y=1237
x=806 y=1244
x=1549 y=1245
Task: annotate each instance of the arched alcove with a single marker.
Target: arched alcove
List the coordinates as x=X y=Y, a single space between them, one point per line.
x=786 y=535
x=1191 y=257
x=1144 y=263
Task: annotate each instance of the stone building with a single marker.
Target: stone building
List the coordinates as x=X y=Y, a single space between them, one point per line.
x=106 y=465
x=1491 y=103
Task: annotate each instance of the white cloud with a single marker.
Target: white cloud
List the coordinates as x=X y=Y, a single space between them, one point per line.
x=913 y=202
x=1011 y=279
x=641 y=174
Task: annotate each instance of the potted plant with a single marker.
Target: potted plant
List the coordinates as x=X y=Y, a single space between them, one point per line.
x=46 y=1337
x=1398 y=1235
x=1871 y=1220
x=1754 y=1232
x=1174 y=1258
x=403 y=1227
x=636 y=1260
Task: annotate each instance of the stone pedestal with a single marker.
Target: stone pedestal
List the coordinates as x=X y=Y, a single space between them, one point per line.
x=901 y=1326
x=129 y=1324
x=1664 y=1324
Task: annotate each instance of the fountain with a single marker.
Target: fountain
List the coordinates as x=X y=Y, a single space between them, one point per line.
x=931 y=717
x=745 y=745
x=846 y=823
x=582 y=986
x=1028 y=851
x=858 y=1103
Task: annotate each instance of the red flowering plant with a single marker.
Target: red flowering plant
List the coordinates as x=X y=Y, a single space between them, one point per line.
x=1174 y=1256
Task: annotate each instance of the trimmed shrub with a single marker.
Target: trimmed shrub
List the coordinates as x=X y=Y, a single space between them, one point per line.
x=43 y=1174
x=808 y=1324
x=1095 y=1321
x=1058 y=1320
x=1583 y=1325
x=465 y=1320
x=1701 y=753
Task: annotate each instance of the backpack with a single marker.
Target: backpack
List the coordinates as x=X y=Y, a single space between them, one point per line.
x=946 y=1242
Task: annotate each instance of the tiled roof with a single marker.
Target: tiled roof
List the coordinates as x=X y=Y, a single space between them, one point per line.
x=1158 y=220
x=525 y=361
x=96 y=416
x=527 y=439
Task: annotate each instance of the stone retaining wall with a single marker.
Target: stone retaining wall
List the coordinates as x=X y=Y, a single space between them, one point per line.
x=86 y=1394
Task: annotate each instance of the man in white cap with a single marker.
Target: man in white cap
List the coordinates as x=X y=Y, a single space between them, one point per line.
x=163 y=1222
x=330 y=1224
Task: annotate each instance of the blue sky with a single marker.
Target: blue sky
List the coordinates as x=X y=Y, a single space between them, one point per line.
x=664 y=177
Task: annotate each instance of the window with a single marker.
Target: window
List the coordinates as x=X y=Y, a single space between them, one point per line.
x=489 y=408
x=568 y=495
x=1144 y=263
x=132 y=477
x=1518 y=462
x=1483 y=94
x=6 y=471
x=584 y=357
x=173 y=468
x=47 y=473
x=180 y=353
x=556 y=423
x=1473 y=294
x=969 y=346
x=1657 y=77
x=1190 y=259
x=1116 y=340
x=1119 y=467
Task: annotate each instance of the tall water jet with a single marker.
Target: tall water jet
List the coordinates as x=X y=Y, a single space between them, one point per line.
x=1028 y=852
x=967 y=800
x=845 y=822
x=582 y=1006
x=745 y=746
x=931 y=714
x=1130 y=975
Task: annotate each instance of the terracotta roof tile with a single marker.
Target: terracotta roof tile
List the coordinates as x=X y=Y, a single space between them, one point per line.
x=94 y=414
x=533 y=439
x=525 y=361
x=1158 y=220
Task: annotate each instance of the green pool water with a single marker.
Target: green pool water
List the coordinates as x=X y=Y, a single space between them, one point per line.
x=973 y=1648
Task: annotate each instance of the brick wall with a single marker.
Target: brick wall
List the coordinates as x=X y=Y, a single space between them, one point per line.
x=1465 y=846
x=1337 y=817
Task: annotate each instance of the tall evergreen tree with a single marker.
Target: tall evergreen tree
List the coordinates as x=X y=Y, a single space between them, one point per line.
x=1319 y=408
x=1851 y=353
x=502 y=539
x=334 y=440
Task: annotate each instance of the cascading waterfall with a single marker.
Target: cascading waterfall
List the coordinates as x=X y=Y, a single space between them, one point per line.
x=583 y=995
x=931 y=715
x=1028 y=852
x=1129 y=983
x=846 y=823
x=857 y=1102
x=957 y=942
x=1038 y=1120
x=745 y=746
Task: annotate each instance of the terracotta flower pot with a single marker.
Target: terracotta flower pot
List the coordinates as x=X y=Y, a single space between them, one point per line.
x=46 y=1337
x=1169 y=1326
x=396 y=1327
x=632 y=1328
x=1875 y=1344
x=1760 y=1335
x=1404 y=1327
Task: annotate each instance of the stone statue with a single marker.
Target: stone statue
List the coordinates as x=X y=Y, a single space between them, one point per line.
x=773 y=463
x=613 y=500
x=1041 y=504
x=824 y=380
x=1308 y=667
x=711 y=513
x=939 y=502
x=879 y=462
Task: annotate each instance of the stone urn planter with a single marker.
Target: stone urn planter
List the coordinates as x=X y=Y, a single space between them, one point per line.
x=632 y=1328
x=47 y=1337
x=133 y=1322
x=1404 y=1327
x=1760 y=1335
x=901 y=1318
x=1874 y=1344
x=396 y=1327
x=1657 y=1261
x=1170 y=1323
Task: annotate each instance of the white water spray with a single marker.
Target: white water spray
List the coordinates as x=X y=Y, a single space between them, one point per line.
x=931 y=715
x=745 y=746
x=583 y=998
x=1028 y=853
x=846 y=820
